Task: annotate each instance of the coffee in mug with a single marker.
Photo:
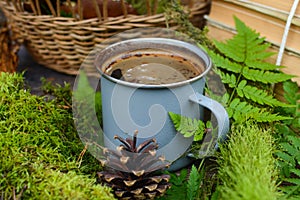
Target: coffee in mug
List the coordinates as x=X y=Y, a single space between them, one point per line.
x=153 y=68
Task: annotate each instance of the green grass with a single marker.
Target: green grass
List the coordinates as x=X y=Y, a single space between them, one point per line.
x=247 y=168
x=39 y=147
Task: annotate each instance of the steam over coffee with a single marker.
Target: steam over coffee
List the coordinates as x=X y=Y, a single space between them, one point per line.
x=153 y=68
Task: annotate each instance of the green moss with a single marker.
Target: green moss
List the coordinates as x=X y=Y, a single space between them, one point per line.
x=247 y=167
x=39 y=147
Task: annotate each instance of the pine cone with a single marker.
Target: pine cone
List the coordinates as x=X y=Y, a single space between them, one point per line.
x=133 y=170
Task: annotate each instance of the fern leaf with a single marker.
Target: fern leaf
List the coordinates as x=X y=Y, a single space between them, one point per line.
x=225 y=98
x=188 y=127
x=234 y=48
x=227 y=78
x=296 y=172
x=257 y=64
x=294 y=140
x=289 y=148
x=286 y=157
x=260 y=55
x=238 y=110
x=269 y=117
x=256 y=51
x=241 y=111
x=254 y=46
x=193 y=184
x=257 y=95
x=224 y=63
x=245 y=46
x=179 y=184
x=295 y=181
x=229 y=49
x=265 y=76
x=176 y=119
x=290 y=90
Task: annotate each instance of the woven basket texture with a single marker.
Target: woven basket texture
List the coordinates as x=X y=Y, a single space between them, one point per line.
x=63 y=43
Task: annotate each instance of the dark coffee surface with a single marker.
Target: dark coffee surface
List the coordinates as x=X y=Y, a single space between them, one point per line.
x=153 y=68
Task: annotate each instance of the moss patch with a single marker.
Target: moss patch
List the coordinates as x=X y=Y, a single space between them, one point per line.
x=247 y=167
x=39 y=147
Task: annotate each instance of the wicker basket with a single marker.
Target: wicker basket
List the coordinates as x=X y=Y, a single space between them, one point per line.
x=62 y=43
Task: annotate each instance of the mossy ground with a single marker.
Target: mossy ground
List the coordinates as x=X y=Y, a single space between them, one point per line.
x=39 y=146
x=247 y=168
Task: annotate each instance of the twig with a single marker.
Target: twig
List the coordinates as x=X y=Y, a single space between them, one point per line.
x=97 y=10
x=81 y=155
x=37 y=3
x=58 y=8
x=124 y=8
x=80 y=9
x=148 y=7
x=105 y=14
x=50 y=6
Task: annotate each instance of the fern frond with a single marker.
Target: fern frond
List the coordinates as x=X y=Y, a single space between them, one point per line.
x=240 y=111
x=291 y=93
x=193 y=183
x=227 y=78
x=257 y=95
x=289 y=159
x=295 y=141
x=229 y=49
x=244 y=47
x=286 y=157
x=224 y=63
x=188 y=127
x=290 y=148
x=296 y=171
x=265 y=76
x=256 y=51
x=269 y=117
x=254 y=46
x=258 y=64
x=295 y=181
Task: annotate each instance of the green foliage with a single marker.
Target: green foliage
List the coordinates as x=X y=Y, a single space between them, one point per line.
x=247 y=166
x=242 y=111
x=289 y=141
x=289 y=162
x=193 y=184
x=178 y=186
x=185 y=186
x=189 y=127
x=60 y=94
x=292 y=96
x=39 y=147
x=240 y=63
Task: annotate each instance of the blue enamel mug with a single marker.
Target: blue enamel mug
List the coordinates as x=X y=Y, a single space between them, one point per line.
x=129 y=106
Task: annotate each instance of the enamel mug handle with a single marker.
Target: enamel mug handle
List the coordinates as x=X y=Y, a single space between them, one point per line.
x=219 y=112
